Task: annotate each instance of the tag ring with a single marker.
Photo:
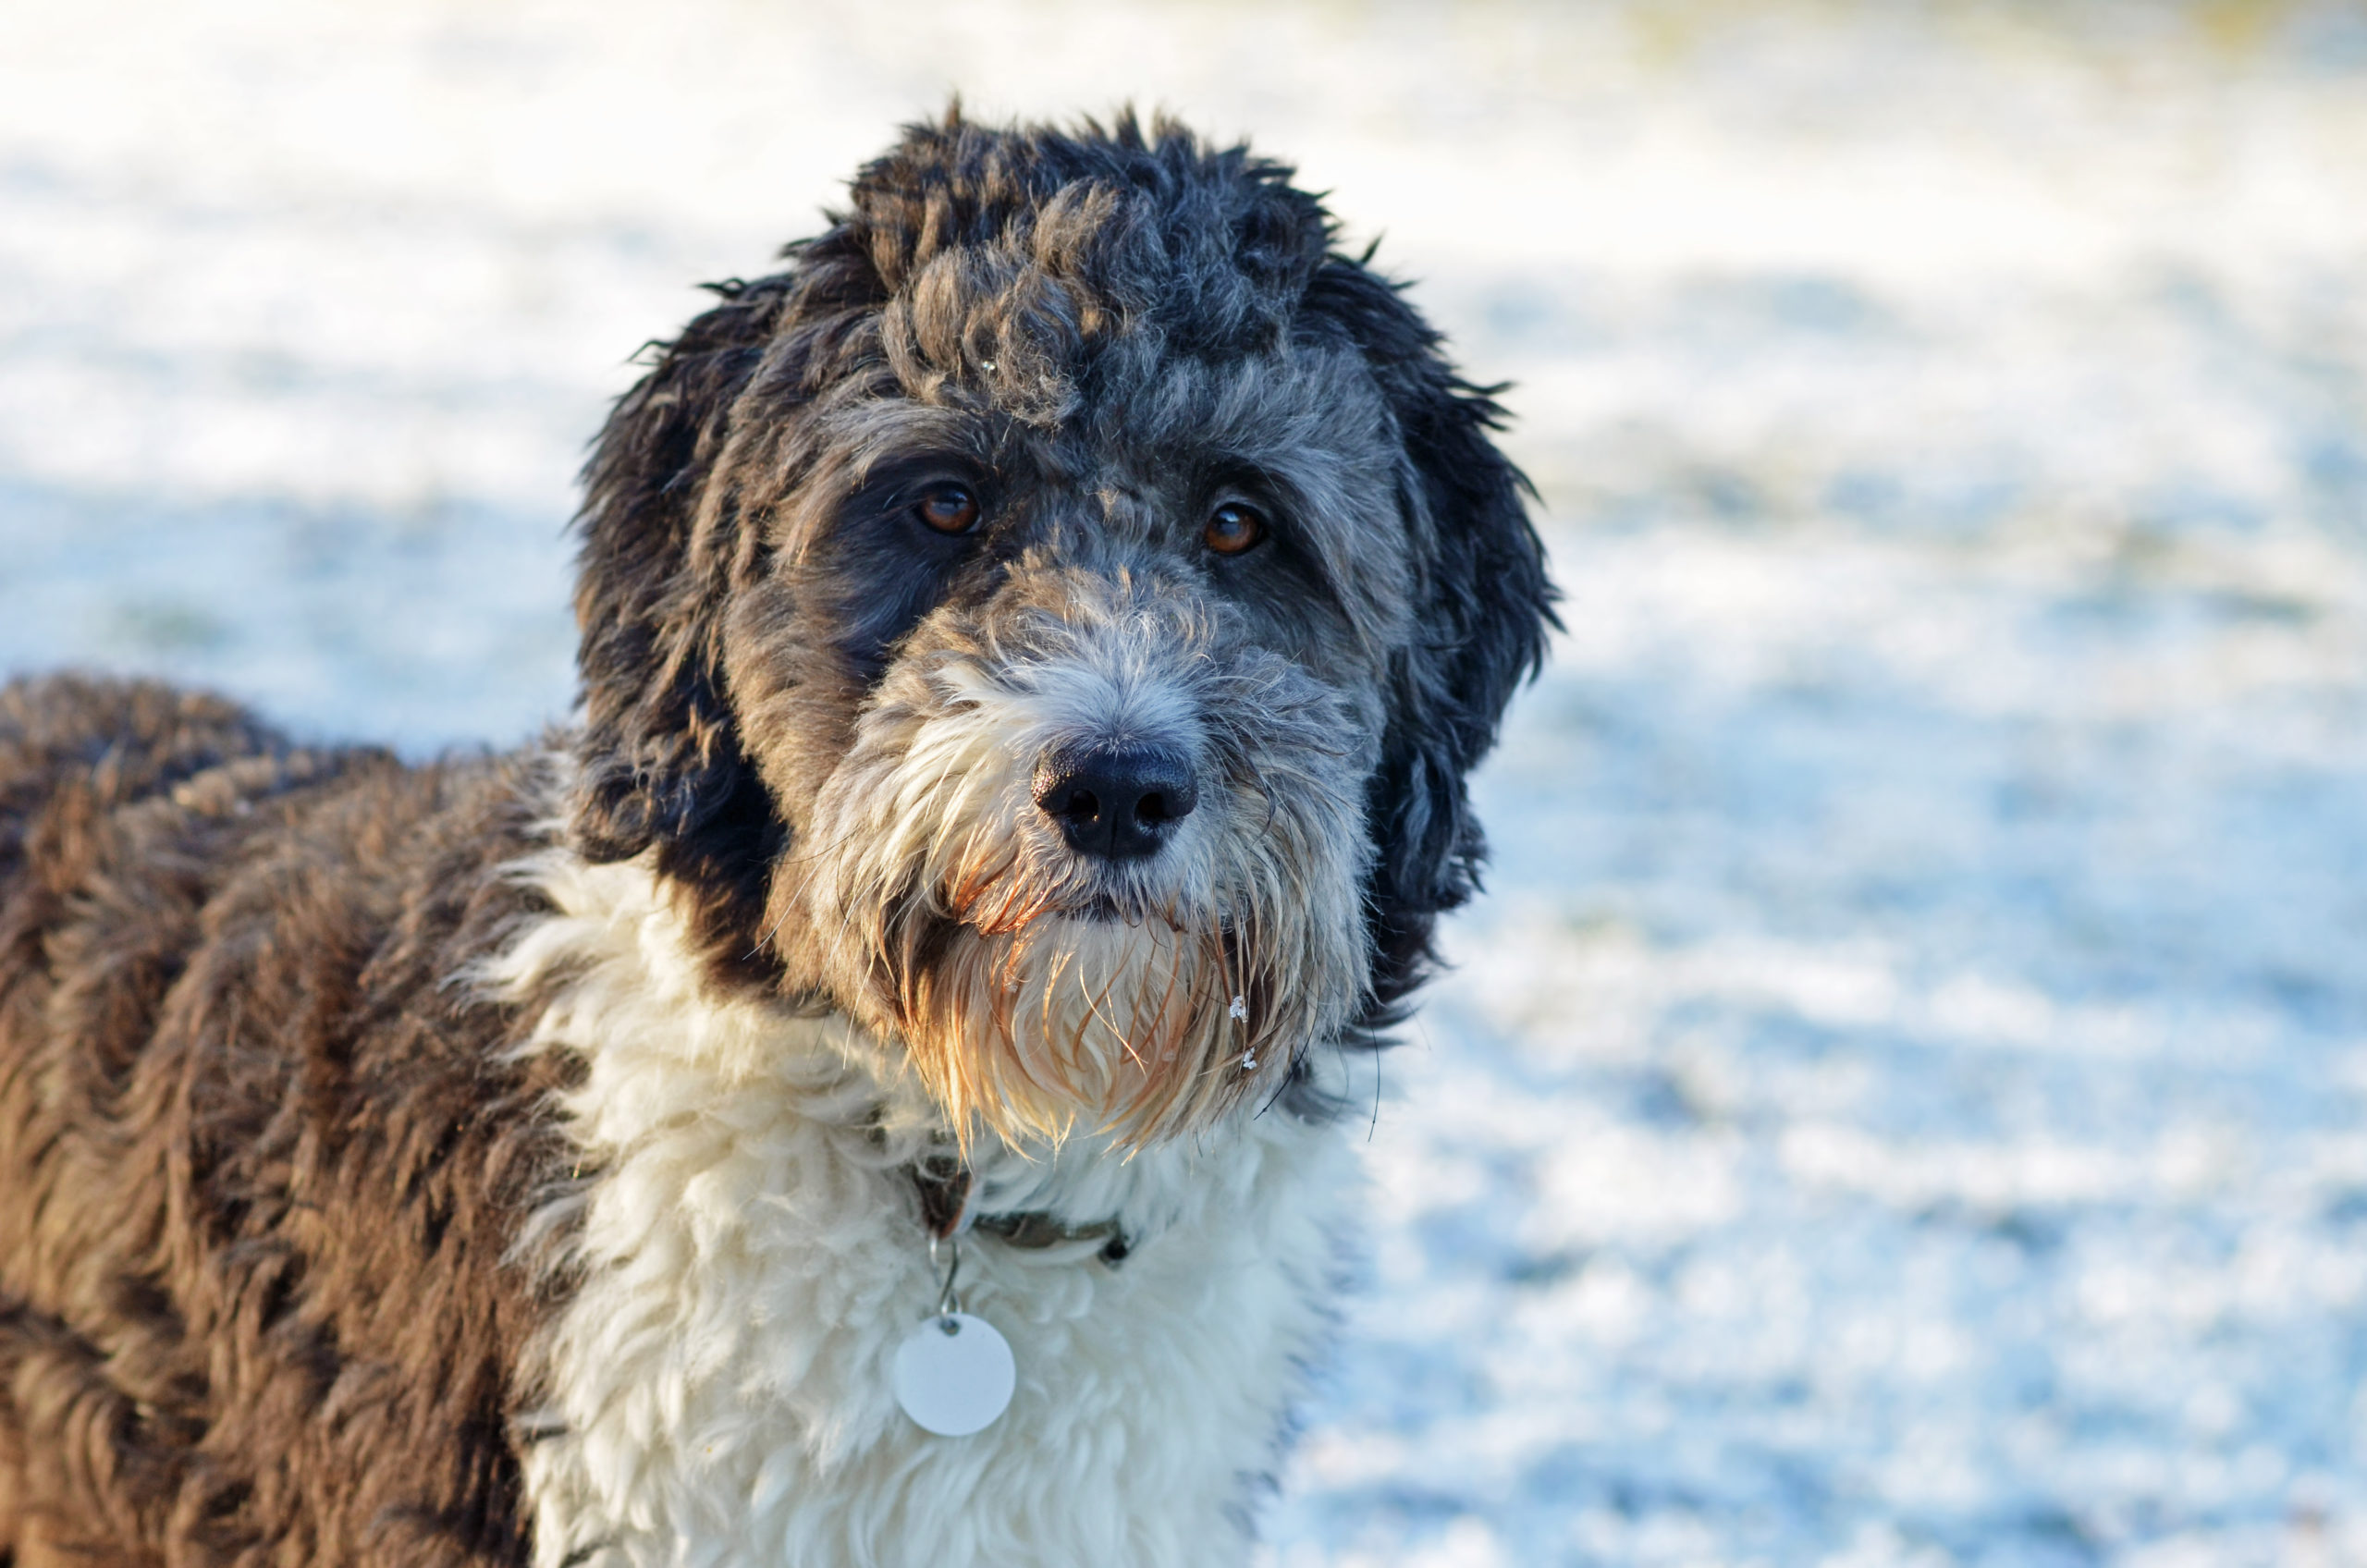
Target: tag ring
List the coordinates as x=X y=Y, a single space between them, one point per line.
x=948 y=1303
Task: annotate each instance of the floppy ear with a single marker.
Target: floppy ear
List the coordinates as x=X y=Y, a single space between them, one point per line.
x=1481 y=609
x=661 y=759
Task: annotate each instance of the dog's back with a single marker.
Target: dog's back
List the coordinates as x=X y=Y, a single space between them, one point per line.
x=257 y=1153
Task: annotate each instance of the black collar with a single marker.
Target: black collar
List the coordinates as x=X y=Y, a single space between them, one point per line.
x=945 y=1186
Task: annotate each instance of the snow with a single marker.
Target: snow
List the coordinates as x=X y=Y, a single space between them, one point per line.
x=1901 y=1102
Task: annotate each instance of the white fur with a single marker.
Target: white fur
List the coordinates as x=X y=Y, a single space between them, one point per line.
x=749 y=1254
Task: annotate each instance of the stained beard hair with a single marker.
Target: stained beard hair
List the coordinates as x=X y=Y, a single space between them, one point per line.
x=1125 y=1026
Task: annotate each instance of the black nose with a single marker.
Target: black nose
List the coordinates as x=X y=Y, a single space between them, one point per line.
x=1116 y=802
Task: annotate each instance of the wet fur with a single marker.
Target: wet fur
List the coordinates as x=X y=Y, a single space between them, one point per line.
x=302 y=1162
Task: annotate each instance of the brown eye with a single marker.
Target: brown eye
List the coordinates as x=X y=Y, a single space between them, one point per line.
x=948 y=508
x=1233 y=528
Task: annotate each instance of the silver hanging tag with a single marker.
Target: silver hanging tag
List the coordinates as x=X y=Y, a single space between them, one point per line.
x=954 y=1374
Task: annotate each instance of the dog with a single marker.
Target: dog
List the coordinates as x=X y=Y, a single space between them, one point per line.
x=1033 y=646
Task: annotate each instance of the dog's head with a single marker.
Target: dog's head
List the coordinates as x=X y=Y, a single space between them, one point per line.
x=1051 y=621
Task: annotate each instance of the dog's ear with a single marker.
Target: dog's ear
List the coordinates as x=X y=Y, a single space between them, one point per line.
x=1481 y=609
x=662 y=764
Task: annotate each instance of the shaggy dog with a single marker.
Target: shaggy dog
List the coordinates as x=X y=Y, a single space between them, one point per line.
x=1031 y=649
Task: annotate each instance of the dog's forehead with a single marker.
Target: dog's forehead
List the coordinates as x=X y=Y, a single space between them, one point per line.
x=1145 y=362
x=1306 y=415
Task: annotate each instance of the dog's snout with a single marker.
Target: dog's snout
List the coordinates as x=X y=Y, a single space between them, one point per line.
x=1117 y=803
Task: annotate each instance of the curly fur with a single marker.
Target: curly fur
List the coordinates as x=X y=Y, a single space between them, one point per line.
x=507 y=1160
x=259 y=1166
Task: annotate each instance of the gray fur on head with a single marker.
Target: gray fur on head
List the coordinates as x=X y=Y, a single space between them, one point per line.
x=820 y=716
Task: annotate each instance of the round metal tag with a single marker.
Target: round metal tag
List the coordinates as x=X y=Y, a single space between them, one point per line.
x=954 y=1375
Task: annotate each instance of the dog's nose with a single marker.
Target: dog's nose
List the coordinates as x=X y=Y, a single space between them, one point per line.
x=1117 y=803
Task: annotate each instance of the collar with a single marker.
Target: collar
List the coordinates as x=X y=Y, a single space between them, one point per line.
x=945 y=1186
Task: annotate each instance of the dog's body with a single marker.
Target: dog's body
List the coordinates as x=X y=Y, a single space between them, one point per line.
x=1032 y=647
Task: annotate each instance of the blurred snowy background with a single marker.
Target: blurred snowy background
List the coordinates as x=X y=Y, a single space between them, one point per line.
x=1906 y=1099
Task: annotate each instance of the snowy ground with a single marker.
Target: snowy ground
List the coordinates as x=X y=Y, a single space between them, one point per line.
x=1903 y=1101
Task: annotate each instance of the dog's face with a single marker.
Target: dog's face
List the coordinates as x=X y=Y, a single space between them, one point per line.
x=1051 y=623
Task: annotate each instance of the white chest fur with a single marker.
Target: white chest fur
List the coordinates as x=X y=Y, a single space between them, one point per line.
x=749 y=1256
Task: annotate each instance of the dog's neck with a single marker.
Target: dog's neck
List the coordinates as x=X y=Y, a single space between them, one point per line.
x=745 y=1250
x=619 y=948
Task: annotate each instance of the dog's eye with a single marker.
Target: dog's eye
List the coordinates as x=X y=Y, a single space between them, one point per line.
x=1233 y=528
x=948 y=508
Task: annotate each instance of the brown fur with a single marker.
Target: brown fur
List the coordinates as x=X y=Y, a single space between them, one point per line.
x=259 y=1167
